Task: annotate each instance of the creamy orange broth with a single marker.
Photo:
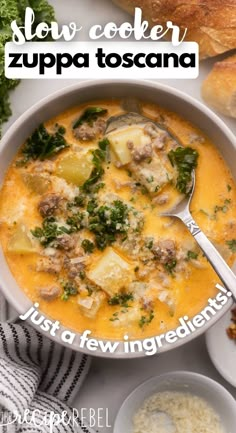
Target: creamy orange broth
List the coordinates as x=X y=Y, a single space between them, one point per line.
x=188 y=291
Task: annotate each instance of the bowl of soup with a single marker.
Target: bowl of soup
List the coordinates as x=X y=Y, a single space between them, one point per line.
x=82 y=231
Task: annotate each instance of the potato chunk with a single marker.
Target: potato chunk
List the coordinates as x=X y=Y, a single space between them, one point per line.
x=75 y=168
x=20 y=242
x=112 y=273
x=119 y=141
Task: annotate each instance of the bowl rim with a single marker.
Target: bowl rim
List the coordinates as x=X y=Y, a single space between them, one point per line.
x=178 y=376
x=210 y=339
x=53 y=97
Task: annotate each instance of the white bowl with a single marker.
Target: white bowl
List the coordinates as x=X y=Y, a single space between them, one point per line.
x=49 y=107
x=222 y=349
x=181 y=381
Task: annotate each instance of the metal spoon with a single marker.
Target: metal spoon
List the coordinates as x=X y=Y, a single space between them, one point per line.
x=182 y=211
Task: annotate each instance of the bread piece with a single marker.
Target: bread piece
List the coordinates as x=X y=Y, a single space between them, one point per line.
x=219 y=88
x=211 y=23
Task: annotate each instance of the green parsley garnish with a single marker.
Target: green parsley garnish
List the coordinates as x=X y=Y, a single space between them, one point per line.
x=149 y=244
x=82 y=275
x=79 y=201
x=121 y=299
x=170 y=267
x=223 y=208
x=90 y=289
x=48 y=233
x=75 y=222
x=107 y=221
x=114 y=317
x=69 y=290
x=145 y=320
x=232 y=245
x=88 y=246
x=191 y=255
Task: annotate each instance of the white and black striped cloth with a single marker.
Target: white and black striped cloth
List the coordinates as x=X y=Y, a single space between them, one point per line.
x=37 y=378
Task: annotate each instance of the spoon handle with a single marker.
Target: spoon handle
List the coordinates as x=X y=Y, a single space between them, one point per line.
x=226 y=275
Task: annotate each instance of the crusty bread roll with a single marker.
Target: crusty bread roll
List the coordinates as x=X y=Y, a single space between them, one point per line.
x=211 y=23
x=219 y=88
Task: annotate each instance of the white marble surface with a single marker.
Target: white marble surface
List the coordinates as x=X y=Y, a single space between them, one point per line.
x=110 y=381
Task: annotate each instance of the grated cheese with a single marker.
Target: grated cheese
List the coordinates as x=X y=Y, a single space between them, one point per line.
x=61 y=187
x=176 y=412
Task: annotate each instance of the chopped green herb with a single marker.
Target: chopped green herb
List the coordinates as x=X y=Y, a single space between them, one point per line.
x=89 y=116
x=79 y=201
x=98 y=187
x=88 y=246
x=82 y=275
x=61 y=129
x=48 y=233
x=41 y=144
x=75 y=222
x=191 y=255
x=232 y=245
x=91 y=206
x=170 y=267
x=114 y=317
x=144 y=190
x=185 y=159
x=121 y=299
x=229 y=187
x=90 y=289
x=223 y=208
x=145 y=320
x=149 y=244
x=107 y=222
x=69 y=290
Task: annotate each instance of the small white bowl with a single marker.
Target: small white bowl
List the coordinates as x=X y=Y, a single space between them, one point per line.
x=221 y=349
x=216 y=395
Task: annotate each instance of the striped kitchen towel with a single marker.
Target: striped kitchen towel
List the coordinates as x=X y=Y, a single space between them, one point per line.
x=38 y=381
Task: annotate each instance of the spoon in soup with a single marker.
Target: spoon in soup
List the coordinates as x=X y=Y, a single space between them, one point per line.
x=182 y=209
